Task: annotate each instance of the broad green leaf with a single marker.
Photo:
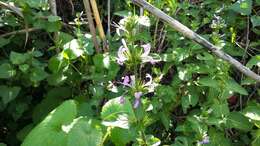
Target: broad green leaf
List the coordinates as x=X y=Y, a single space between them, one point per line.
x=209 y=82
x=52 y=131
x=238 y=121
x=254 y=61
x=18 y=58
x=87 y=44
x=84 y=133
x=256 y=140
x=24 y=67
x=64 y=38
x=242 y=6
x=255 y=20
x=72 y=50
x=233 y=86
x=220 y=110
x=53 y=18
x=38 y=74
x=121 y=137
x=24 y=132
x=117 y=111
x=190 y=100
x=217 y=138
x=181 y=54
x=6 y=71
x=36 y=3
x=57 y=63
x=252 y=112
x=2 y=144
x=8 y=94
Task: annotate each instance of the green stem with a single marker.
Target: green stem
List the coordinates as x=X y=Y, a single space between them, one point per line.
x=106 y=135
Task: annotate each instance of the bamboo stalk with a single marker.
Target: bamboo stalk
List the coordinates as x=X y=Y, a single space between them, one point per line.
x=197 y=38
x=99 y=24
x=91 y=25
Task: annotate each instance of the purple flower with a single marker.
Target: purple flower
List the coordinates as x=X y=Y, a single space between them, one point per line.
x=121 y=55
x=137 y=99
x=138 y=94
x=121 y=99
x=205 y=140
x=137 y=102
x=145 y=56
x=126 y=81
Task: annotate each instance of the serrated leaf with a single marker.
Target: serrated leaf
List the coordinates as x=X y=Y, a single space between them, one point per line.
x=8 y=93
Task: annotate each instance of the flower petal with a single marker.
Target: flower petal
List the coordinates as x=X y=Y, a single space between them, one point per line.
x=137 y=102
x=138 y=94
x=147 y=49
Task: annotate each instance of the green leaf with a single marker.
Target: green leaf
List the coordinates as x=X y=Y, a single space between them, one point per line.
x=87 y=44
x=72 y=50
x=242 y=6
x=52 y=18
x=220 y=110
x=57 y=63
x=6 y=71
x=252 y=112
x=52 y=131
x=191 y=99
x=24 y=132
x=115 y=111
x=255 y=20
x=84 y=133
x=8 y=93
x=4 y=42
x=38 y=74
x=233 y=86
x=256 y=135
x=253 y=61
x=208 y=82
x=238 y=121
x=36 y=3
x=217 y=138
x=24 y=67
x=18 y=58
x=120 y=137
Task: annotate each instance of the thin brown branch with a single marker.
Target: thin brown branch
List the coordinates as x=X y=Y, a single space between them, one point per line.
x=197 y=38
x=91 y=24
x=13 y=8
x=19 y=32
x=99 y=23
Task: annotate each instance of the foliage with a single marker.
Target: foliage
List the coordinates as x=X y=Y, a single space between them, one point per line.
x=152 y=88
